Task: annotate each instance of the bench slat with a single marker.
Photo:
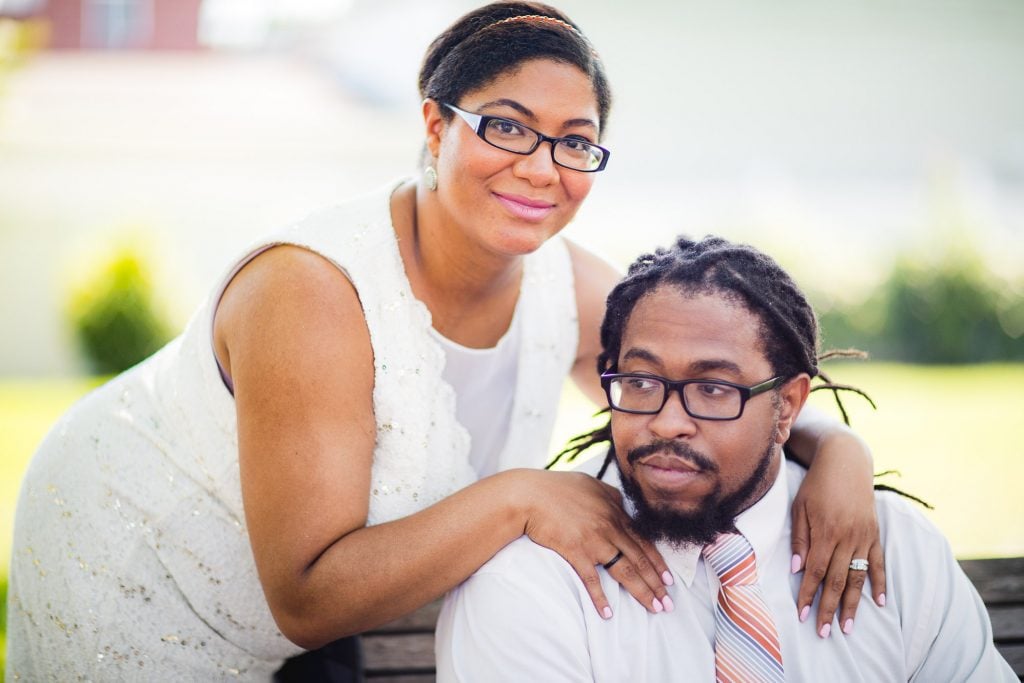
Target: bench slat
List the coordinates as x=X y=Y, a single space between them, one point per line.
x=1007 y=622
x=999 y=580
x=422 y=620
x=1014 y=655
x=398 y=652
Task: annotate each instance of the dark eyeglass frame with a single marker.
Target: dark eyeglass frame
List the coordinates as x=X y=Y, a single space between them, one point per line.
x=746 y=392
x=478 y=122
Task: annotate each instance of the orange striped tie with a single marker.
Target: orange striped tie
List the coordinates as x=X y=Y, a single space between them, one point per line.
x=746 y=641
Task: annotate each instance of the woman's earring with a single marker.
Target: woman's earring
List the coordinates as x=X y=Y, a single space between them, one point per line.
x=430 y=178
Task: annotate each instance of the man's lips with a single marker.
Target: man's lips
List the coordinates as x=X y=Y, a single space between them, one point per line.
x=669 y=462
x=667 y=473
x=524 y=207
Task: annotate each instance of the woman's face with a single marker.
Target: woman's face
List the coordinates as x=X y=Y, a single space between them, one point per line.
x=511 y=203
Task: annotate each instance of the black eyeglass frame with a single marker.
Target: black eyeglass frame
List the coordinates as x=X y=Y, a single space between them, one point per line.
x=478 y=122
x=746 y=392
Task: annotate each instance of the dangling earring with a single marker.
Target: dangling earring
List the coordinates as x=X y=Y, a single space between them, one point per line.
x=430 y=178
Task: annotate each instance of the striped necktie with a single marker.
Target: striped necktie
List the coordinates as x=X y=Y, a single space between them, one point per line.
x=746 y=641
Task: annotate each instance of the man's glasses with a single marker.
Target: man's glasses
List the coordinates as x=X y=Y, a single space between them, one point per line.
x=705 y=399
x=512 y=136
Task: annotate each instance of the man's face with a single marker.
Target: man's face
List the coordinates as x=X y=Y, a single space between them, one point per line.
x=687 y=477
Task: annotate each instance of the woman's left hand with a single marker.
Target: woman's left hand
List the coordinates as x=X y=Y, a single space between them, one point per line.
x=834 y=522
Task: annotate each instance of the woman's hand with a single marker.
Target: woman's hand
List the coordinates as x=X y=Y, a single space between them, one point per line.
x=834 y=522
x=581 y=519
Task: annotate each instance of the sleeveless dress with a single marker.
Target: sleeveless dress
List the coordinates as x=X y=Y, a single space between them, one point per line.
x=131 y=558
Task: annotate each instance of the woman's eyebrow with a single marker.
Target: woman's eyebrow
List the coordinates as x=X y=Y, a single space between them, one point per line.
x=527 y=112
x=505 y=102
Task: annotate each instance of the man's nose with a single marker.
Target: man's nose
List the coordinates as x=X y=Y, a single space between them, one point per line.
x=672 y=421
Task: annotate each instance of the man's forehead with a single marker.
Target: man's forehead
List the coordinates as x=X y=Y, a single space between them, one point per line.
x=702 y=330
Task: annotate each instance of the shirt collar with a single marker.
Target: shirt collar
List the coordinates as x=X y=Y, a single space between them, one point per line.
x=761 y=523
x=764 y=521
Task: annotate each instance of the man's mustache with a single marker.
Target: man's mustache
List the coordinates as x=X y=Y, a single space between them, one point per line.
x=674 y=447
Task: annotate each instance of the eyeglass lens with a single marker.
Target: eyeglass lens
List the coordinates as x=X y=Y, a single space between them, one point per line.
x=569 y=152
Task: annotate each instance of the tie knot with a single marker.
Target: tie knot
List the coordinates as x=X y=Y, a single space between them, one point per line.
x=732 y=558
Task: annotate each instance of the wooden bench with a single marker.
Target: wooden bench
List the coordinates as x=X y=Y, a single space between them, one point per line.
x=1001 y=585
x=403 y=651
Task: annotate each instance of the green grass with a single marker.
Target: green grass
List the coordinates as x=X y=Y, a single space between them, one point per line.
x=953 y=432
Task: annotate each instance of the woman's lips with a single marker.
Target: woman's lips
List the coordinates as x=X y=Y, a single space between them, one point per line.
x=533 y=210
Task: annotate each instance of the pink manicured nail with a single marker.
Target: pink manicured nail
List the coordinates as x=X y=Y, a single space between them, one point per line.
x=669 y=605
x=656 y=605
x=881 y=600
x=606 y=612
x=795 y=564
x=666 y=578
x=848 y=626
x=804 y=612
x=825 y=630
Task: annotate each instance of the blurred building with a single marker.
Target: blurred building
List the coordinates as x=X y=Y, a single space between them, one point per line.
x=114 y=24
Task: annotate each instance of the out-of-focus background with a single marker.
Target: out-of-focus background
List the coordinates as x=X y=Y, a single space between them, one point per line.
x=875 y=149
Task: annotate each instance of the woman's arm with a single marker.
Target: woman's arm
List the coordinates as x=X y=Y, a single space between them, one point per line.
x=834 y=519
x=594 y=278
x=290 y=331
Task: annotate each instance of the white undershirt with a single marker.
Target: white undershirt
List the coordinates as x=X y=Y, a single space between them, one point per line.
x=484 y=381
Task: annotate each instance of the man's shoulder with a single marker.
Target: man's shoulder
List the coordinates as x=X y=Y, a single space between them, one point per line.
x=898 y=516
x=522 y=558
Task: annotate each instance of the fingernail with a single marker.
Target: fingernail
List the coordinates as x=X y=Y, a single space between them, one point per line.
x=848 y=626
x=656 y=605
x=881 y=599
x=669 y=605
x=825 y=630
x=606 y=612
x=794 y=565
x=666 y=578
x=804 y=612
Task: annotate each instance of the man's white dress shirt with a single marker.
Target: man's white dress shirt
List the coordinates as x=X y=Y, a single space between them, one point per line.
x=525 y=615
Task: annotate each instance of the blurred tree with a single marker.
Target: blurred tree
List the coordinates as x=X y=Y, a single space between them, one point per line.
x=115 y=316
x=953 y=311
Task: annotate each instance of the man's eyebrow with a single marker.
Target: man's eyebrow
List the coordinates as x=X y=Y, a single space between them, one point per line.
x=715 y=364
x=640 y=354
x=697 y=367
x=527 y=112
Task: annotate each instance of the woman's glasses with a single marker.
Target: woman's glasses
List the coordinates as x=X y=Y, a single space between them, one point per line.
x=512 y=136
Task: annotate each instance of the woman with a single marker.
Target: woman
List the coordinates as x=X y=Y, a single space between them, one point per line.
x=294 y=469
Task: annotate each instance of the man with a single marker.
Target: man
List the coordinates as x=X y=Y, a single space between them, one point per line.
x=709 y=350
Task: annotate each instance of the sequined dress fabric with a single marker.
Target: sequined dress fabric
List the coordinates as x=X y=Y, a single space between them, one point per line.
x=131 y=559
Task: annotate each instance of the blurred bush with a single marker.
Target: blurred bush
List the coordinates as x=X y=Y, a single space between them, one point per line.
x=20 y=38
x=115 y=316
x=952 y=311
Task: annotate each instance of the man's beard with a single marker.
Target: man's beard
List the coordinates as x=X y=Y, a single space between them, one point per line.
x=717 y=512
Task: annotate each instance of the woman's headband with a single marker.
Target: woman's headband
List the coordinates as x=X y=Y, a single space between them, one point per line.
x=542 y=19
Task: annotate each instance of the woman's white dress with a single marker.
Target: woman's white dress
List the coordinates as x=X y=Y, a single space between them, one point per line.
x=131 y=559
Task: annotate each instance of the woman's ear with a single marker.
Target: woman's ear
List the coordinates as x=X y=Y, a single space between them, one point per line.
x=433 y=124
x=792 y=396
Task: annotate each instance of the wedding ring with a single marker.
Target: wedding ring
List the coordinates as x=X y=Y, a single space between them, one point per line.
x=611 y=563
x=859 y=565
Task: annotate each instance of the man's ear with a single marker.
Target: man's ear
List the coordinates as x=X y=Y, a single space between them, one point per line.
x=433 y=125
x=792 y=396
